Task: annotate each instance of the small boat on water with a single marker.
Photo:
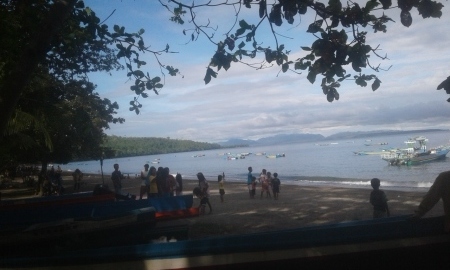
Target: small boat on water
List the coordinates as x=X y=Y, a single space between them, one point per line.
x=415 y=155
x=276 y=156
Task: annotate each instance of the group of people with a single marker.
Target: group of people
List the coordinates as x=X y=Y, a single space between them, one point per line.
x=267 y=181
x=159 y=182
x=155 y=183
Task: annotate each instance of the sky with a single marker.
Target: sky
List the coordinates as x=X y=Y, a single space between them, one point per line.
x=250 y=104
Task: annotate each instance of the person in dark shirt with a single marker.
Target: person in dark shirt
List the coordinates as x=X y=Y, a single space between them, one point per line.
x=378 y=200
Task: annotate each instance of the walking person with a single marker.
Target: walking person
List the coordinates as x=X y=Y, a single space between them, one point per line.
x=204 y=188
x=221 y=180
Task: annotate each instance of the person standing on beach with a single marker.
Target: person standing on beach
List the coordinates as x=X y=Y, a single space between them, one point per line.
x=145 y=183
x=253 y=191
x=204 y=188
x=249 y=181
x=116 y=178
x=153 y=188
x=77 y=177
x=269 y=179
x=439 y=190
x=263 y=181
x=378 y=200
x=160 y=181
x=221 y=180
x=179 y=189
x=275 y=186
x=171 y=182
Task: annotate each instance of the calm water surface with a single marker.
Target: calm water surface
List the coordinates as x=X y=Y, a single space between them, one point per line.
x=303 y=162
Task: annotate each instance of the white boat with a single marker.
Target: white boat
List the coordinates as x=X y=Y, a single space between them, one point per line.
x=414 y=155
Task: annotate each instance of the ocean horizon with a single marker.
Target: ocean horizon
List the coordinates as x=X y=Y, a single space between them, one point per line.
x=332 y=163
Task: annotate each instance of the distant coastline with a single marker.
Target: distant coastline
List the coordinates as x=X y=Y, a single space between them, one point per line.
x=302 y=137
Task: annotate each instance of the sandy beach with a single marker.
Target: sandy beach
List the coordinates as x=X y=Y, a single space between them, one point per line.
x=298 y=206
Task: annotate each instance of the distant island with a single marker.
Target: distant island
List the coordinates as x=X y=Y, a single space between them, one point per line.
x=116 y=146
x=301 y=138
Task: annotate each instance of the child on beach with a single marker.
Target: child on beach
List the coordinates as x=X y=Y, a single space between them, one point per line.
x=265 y=184
x=203 y=200
x=275 y=186
x=378 y=200
x=253 y=191
x=221 y=179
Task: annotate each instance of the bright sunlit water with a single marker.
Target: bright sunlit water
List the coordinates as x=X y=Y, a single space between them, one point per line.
x=334 y=160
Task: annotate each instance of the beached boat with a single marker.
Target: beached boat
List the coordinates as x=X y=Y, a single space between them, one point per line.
x=15 y=216
x=397 y=242
x=45 y=201
x=414 y=155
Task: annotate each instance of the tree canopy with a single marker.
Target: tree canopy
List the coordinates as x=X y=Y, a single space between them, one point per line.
x=48 y=49
x=338 y=53
x=129 y=146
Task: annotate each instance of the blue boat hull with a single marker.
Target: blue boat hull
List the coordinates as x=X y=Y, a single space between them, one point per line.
x=13 y=219
x=392 y=242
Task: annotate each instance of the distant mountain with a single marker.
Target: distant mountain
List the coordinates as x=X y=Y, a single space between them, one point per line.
x=290 y=138
x=299 y=138
x=277 y=139
x=376 y=133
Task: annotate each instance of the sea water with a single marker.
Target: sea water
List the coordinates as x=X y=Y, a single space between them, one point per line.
x=324 y=163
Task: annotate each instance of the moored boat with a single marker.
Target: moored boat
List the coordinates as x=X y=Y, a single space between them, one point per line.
x=415 y=155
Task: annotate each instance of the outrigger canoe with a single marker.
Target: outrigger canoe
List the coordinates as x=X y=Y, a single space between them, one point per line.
x=394 y=243
x=18 y=216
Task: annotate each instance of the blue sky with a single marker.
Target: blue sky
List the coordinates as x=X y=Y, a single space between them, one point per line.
x=250 y=104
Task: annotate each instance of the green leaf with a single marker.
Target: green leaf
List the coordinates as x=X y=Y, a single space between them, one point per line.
x=376 y=84
x=315 y=27
x=371 y=5
x=207 y=78
x=356 y=67
x=240 y=31
x=138 y=73
x=311 y=76
x=285 y=67
x=244 y=24
x=306 y=48
x=241 y=45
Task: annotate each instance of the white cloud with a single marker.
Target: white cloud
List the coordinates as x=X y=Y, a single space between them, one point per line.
x=245 y=103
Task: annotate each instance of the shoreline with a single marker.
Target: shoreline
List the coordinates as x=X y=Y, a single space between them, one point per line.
x=297 y=206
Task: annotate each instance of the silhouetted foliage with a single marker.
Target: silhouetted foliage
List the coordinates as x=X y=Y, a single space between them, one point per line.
x=140 y=146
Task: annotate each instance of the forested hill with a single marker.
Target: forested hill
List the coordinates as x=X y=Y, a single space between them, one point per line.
x=126 y=147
